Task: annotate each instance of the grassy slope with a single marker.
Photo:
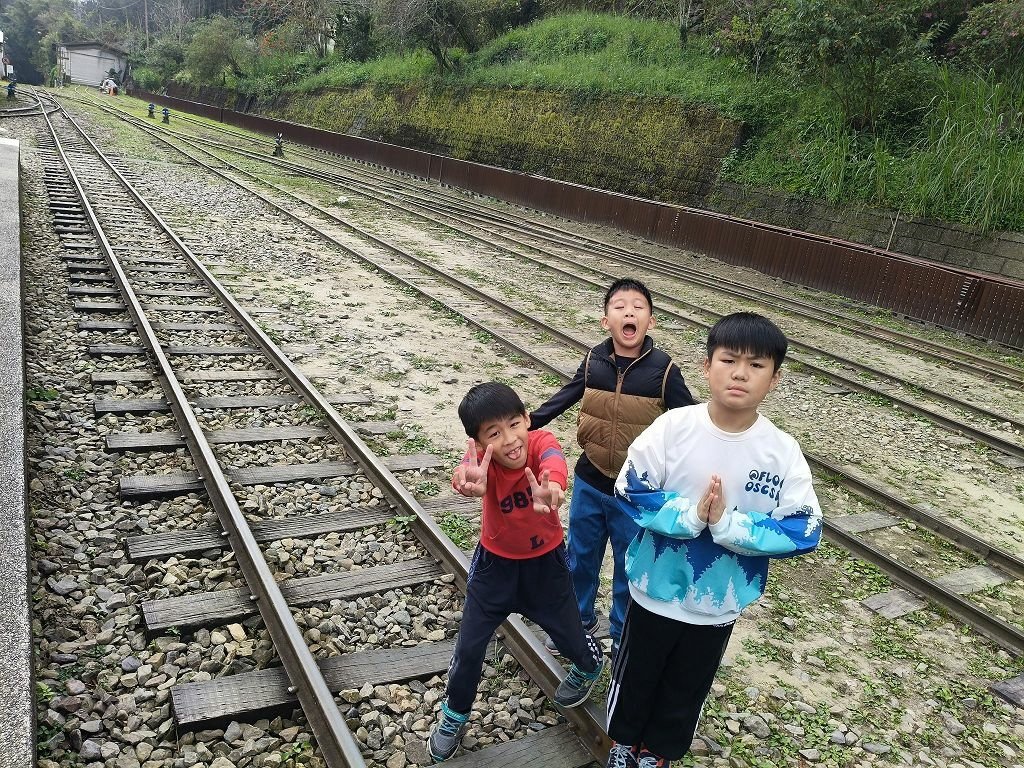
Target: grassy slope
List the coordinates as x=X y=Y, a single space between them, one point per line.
x=963 y=162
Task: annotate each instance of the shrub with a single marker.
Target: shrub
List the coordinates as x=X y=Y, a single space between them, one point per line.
x=992 y=36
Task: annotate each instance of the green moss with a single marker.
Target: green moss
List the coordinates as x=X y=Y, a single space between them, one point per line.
x=658 y=147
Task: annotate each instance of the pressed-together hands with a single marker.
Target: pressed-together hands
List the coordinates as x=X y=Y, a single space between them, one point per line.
x=471 y=479
x=711 y=506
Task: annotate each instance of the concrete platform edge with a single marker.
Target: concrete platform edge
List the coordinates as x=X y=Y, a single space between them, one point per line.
x=17 y=699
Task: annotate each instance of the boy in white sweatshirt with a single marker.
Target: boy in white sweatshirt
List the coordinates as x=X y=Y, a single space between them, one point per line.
x=717 y=490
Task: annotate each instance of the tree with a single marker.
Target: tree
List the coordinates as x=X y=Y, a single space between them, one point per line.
x=315 y=20
x=864 y=51
x=31 y=30
x=218 y=48
x=992 y=37
x=437 y=25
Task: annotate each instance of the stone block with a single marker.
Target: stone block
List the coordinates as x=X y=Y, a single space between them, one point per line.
x=959 y=256
x=987 y=263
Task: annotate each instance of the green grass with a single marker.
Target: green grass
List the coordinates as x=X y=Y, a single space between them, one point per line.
x=956 y=153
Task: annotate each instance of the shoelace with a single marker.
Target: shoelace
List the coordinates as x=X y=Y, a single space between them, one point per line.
x=577 y=678
x=649 y=761
x=619 y=756
x=449 y=726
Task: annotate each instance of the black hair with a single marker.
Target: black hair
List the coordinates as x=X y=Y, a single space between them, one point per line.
x=750 y=333
x=488 y=401
x=628 y=284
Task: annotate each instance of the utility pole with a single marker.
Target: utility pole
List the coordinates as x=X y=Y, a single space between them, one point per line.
x=145 y=17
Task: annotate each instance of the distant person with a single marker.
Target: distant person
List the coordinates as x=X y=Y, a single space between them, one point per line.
x=519 y=565
x=624 y=383
x=717 y=490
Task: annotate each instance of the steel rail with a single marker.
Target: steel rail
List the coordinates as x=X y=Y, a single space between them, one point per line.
x=1006 y=635
x=1000 y=558
x=334 y=739
x=966 y=360
x=521 y=641
x=985 y=437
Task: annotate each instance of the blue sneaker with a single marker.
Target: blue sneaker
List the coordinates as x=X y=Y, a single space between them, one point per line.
x=447 y=734
x=577 y=685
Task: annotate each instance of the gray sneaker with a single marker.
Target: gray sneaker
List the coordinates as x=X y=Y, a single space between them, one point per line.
x=447 y=734
x=577 y=685
x=589 y=629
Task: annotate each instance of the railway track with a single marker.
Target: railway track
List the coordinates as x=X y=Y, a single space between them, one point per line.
x=520 y=331
x=587 y=263
x=156 y=289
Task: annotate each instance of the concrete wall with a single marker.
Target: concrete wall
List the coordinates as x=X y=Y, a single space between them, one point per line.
x=17 y=708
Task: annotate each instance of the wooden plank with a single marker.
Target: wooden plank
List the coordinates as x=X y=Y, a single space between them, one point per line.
x=865 y=521
x=98 y=306
x=228 y=605
x=237 y=696
x=84 y=290
x=159 y=405
x=554 y=747
x=969 y=580
x=182 y=294
x=142 y=548
x=112 y=350
x=114 y=377
x=116 y=325
x=171 y=484
x=376 y=427
x=88 y=277
x=131 y=441
x=88 y=266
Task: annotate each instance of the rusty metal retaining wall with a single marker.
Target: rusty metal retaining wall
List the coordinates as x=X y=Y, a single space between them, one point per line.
x=975 y=303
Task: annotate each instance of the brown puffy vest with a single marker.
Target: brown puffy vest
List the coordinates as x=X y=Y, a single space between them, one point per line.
x=610 y=421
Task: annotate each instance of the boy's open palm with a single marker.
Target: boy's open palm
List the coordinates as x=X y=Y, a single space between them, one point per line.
x=547 y=494
x=471 y=478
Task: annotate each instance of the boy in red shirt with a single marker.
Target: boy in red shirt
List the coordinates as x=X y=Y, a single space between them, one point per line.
x=520 y=564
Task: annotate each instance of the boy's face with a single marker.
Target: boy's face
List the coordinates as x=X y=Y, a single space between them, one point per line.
x=510 y=437
x=739 y=381
x=628 y=318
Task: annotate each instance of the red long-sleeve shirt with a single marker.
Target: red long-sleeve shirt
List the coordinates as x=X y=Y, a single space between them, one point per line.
x=509 y=527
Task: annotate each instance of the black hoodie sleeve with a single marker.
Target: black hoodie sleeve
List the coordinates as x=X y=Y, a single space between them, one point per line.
x=562 y=400
x=676 y=393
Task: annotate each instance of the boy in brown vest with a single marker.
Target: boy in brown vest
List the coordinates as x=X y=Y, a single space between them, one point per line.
x=624 y=383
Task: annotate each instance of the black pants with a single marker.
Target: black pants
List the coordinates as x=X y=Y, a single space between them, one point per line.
x=661 y=677
x=540 y=589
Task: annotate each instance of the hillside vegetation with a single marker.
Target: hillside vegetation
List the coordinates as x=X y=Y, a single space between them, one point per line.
x=914 y=105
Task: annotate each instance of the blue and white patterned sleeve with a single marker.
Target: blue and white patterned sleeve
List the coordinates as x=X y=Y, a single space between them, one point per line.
x=640 y=483
x=792 y=528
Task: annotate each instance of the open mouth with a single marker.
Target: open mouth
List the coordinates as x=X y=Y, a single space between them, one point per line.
x=629 y=330
x=515 y=454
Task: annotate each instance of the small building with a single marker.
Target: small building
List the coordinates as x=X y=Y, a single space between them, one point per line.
x=90 y=63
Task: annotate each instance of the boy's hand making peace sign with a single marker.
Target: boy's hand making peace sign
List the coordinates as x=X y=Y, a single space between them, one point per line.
x=471 y=478
x=547 y=494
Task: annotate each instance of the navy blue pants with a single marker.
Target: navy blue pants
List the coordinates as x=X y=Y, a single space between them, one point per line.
x=540 y=589
x=595 y=519
x=660 y=680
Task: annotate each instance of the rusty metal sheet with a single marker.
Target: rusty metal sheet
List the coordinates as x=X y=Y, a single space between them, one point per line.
x=976 y=303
